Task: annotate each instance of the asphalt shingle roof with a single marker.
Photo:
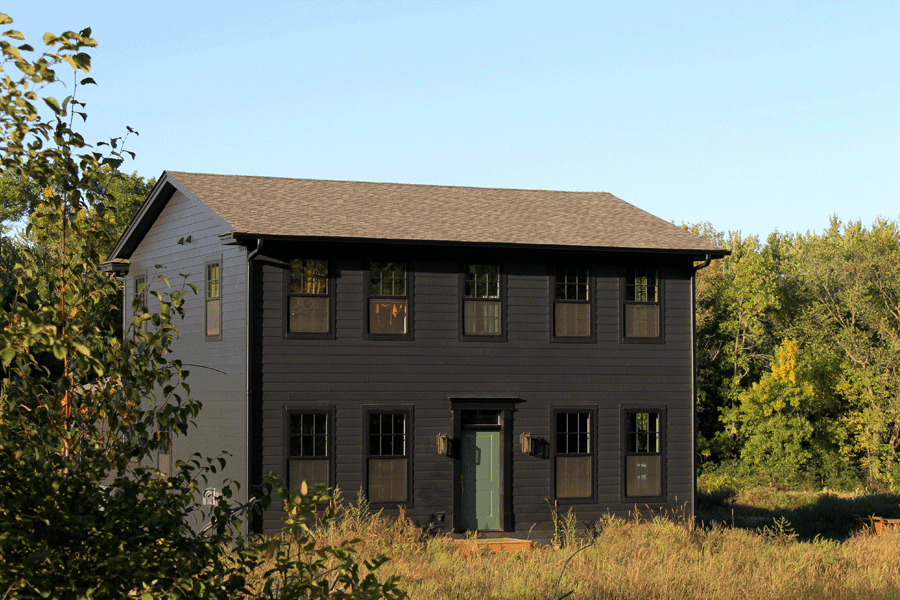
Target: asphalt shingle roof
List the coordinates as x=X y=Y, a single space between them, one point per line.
x=274 y=206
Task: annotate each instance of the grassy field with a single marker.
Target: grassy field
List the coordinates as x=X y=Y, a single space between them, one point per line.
x=759 y=543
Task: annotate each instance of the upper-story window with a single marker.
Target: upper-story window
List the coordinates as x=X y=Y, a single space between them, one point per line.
x=309 y=306
x=213 y=301
x=388 y=299
x=642 y=304
x=572 y=303
x=482 y=301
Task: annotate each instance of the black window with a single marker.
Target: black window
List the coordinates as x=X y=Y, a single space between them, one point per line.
x=571 y=303
x=574 y=464
x=388 y=299
x=482 y=302
x=644 y=457
x=309 y=306
x=388 y=457
x=309 y=449
x=213 y=301
x=642 y=304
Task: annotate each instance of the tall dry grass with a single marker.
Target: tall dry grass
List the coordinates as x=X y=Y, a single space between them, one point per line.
x=625 y=559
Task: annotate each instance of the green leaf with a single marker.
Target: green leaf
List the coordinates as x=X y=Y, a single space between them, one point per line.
x=54 y=105
x=6 y=356
x=12 y=33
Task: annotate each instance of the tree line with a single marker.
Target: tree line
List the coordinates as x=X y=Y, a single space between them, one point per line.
x=799 y=356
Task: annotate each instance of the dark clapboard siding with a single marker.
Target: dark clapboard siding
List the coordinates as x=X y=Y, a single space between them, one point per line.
x=351 y=371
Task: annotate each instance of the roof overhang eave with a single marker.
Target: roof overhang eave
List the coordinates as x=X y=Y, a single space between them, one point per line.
x=243 y=238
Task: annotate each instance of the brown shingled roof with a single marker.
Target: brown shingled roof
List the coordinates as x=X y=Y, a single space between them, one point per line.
x=274 y=206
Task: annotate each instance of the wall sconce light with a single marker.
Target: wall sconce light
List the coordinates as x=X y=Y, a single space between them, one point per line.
x=443 y=444
x=525 y=442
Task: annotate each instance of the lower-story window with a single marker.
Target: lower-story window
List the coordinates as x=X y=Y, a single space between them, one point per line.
x=644 y=456
x=388 y=457
x=574 y=454
x=309 y=449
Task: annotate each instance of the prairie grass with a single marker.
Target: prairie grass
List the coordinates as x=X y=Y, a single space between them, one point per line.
x=663 y=558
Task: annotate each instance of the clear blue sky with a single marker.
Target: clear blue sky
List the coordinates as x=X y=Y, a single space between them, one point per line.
x=754 y=115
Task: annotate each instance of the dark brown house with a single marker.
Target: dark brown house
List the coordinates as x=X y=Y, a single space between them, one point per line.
x=466 y=353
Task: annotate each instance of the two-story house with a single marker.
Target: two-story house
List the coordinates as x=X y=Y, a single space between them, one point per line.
x=466 y=353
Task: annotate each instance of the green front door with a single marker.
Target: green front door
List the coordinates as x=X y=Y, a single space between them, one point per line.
x=480 y=458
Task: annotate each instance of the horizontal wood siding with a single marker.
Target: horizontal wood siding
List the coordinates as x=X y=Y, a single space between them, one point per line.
x=436 y=365
x=217 y=370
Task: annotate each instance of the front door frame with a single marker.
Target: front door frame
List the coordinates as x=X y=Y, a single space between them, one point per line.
x=507 y=407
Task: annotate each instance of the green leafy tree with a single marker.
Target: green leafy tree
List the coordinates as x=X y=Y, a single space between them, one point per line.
x=786 y=420
x=84 y=513
x=849 y=279
x=738 y=311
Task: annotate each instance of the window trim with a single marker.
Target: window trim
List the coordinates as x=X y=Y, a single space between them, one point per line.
x=289 y=410
x=409 y=412
x=206 y=299
x=591 y=338
x=134 y=294
x=409 y=304
x=555 y=410
x=663 y=453
x=286 y=295
x=660 y=302
x=463 y=336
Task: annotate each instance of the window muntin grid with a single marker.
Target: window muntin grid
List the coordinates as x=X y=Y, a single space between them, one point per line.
x=642 y=433
x=309 y=276
x=308 y=435
x=387 y=279
x=641 y=286
x=387 y=434
x=572 y=284
x=573 y=433
x=483 y=281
